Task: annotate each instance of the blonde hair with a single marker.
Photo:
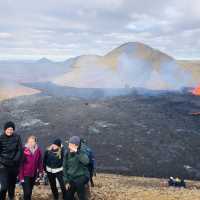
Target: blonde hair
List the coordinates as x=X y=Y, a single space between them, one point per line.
x=32 y=137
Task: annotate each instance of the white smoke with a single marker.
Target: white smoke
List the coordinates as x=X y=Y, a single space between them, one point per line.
x=136 y=72
x=131 y=71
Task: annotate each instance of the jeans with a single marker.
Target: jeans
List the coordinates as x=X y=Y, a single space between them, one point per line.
x=52 y=180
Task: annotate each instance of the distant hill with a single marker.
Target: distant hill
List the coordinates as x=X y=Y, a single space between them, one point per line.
x=10 y=90
x=31 y=71
x=130 y=65
x=44 y=60
x=13 y=75
x=136 y=50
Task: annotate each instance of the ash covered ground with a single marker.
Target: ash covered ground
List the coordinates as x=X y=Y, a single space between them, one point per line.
x=146 y=134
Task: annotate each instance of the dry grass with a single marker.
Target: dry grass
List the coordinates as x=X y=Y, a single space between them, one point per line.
x=113 y=187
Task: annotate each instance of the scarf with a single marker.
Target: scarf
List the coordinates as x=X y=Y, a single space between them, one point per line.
x=32 y=149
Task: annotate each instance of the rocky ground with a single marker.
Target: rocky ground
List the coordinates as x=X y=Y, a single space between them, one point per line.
x=116 y=187
x=151 y=135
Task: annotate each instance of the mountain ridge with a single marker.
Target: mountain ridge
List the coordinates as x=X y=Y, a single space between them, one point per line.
x=131 y=64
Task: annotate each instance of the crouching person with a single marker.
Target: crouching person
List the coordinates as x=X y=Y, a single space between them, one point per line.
x=76 y=174
x=53 y=165
x=31 y=166
x=10 y=159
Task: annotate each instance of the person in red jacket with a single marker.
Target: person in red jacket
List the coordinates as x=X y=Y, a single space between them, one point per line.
x=31 y=167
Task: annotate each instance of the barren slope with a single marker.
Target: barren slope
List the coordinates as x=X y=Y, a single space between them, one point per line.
x=114 y=187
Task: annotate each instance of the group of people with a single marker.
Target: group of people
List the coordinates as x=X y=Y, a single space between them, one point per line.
x=72 y=166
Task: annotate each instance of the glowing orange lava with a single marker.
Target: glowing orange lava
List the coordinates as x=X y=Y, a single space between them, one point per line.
x=196 y=91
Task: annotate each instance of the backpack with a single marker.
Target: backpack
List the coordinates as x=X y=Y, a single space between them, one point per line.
x=88 y=151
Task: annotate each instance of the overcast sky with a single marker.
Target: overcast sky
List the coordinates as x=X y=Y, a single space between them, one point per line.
x=58 y=29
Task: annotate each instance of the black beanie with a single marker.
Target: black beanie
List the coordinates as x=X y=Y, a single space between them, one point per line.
x=58 y=142
x=9 y=125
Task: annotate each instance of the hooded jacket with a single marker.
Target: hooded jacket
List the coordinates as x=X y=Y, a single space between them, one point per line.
x=11 y=151
x=75 y=166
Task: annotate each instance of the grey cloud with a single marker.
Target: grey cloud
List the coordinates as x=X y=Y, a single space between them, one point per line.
x=66 y=28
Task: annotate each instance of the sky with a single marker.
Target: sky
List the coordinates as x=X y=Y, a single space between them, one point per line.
x=59 y=29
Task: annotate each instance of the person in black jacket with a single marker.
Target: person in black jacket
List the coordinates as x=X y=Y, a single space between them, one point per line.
x=53 y=165
x=10 y=160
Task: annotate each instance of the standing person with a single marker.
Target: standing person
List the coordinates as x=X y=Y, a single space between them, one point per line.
x=53 y=165
x=76 y=174
x=31 y=166
x=10 y=159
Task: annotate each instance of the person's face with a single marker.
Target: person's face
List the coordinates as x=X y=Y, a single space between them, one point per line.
x=55 y=147
x=9 y=131
x=73 y=147
x=31 y=142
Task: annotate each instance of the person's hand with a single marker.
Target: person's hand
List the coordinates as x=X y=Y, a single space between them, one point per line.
x=41 y=175
x=67 y=186
x=73 y=148
x=44 y=174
